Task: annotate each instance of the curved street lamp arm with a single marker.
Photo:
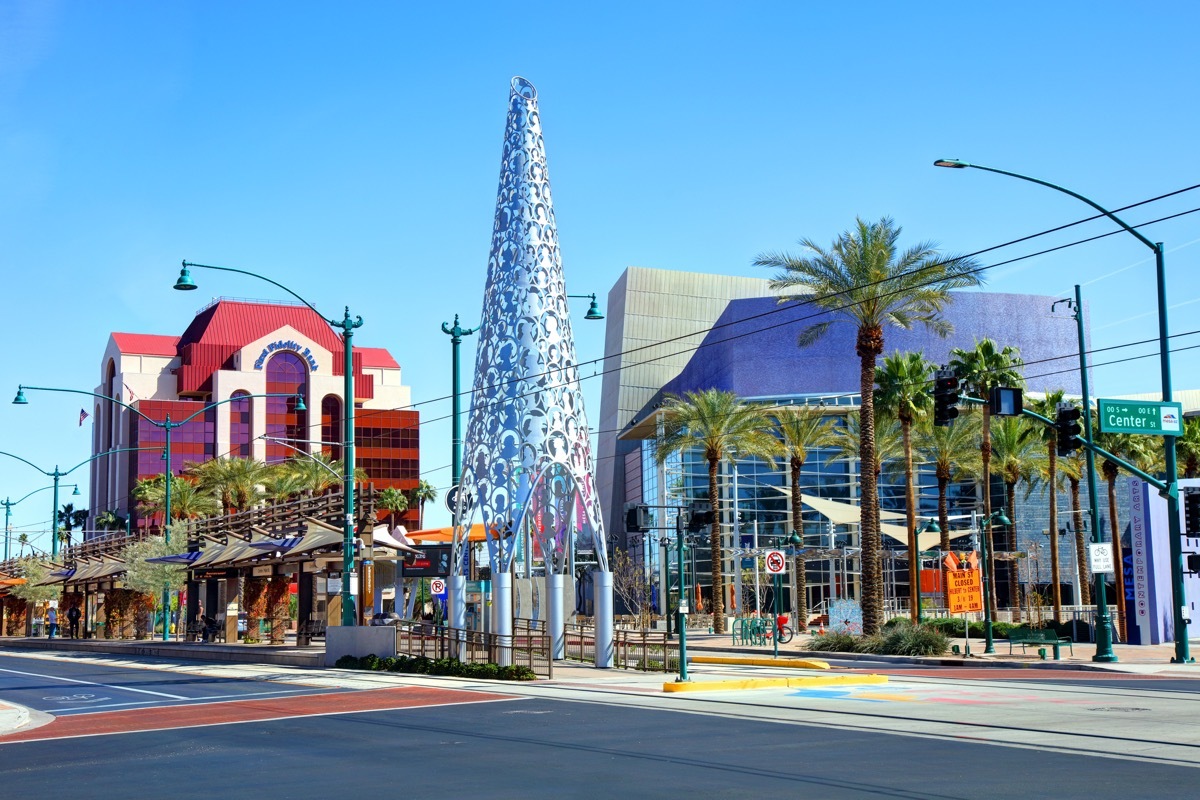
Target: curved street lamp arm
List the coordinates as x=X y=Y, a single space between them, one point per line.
x=187 y=263
x=23 y=387
x=30 y=463
x=31 y=494
x=304 y=453
x=1056 y=187
x=107 y=453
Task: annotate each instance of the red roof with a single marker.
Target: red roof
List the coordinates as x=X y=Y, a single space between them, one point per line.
x=147 y=344
x=377 y=357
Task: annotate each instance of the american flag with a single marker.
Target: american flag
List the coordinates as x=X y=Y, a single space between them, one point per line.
x=82 y=416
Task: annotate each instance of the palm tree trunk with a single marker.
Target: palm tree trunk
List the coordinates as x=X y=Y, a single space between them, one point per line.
x=943 y=482
x=1118 y=557
x=985 y=453
x=914 y=550
x=800 y=566
x=1055 y=578
x=714 y=543
x=869 y=345
x=1010 y=539
x=1085 y=578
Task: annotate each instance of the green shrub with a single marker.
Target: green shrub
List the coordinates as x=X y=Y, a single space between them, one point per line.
x=517 y=672
x=833 y=643
x=386 y=664
x=915 y=640
x=370 y=661
x=347 y=662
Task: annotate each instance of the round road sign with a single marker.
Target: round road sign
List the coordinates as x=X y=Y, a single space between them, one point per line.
x=437 y=586
x=776 y=562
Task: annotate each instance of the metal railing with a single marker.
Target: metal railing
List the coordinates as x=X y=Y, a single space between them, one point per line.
x=527 y=646
x=644 y=650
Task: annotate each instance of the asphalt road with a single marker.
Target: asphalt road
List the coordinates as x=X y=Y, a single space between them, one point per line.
x=917 y=737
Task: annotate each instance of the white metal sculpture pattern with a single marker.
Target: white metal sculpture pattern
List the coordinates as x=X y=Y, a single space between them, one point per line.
x=528 y=459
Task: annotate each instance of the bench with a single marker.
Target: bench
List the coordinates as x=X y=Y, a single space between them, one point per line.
x=1041 y=637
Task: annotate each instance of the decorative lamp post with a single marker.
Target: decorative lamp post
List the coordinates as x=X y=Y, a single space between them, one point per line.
x=346 y=325
x=456 y=334
x=167 y=426
x=8 y=504
x=792 y=541
x=1171 y=492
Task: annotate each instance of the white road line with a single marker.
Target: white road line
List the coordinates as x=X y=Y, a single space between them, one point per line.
x=93 y=683
x=191 y=699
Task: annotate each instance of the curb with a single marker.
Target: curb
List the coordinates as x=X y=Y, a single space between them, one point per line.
x=793 y=663
x=20 y=715
x=776 y=683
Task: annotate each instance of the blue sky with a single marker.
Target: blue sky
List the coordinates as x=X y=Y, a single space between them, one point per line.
x=351 y=151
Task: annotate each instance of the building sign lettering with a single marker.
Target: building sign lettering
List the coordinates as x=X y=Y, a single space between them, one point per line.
x=295 y=347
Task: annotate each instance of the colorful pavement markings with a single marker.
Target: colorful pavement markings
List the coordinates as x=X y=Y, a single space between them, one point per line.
x=241 y=711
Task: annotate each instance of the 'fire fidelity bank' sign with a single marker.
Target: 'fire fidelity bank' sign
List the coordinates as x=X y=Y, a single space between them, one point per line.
x=295 y=347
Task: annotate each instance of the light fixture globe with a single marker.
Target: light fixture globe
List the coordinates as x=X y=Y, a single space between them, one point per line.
x=20 y=400
x=185 y=283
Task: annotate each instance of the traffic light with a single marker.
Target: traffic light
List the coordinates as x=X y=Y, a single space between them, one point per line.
x=945 y=397
x=701 y=516
x=1191 y=512
x=637 y=519
x=1066 y=423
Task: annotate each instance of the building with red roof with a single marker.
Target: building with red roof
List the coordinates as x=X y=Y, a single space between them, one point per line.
x=236 y=349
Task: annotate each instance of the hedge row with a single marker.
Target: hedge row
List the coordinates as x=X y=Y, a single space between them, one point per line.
x=953 y=627
x=423 y=665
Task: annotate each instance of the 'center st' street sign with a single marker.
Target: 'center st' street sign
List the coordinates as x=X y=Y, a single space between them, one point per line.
x=1141 y=416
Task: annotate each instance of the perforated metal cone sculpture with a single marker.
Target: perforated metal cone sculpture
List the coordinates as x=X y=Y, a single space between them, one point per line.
x=528 y=460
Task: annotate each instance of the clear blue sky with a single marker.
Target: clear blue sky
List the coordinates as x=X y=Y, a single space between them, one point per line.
x=351 y=151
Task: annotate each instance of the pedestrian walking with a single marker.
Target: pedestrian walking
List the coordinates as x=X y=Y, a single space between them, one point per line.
x=73 y=621
x=52 y=622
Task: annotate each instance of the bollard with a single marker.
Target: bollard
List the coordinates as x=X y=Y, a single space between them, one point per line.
x=1042 y=653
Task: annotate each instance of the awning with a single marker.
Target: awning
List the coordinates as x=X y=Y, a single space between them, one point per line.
x=177 y=558
x=432 y=535
x=383 y=538
x=925 y=541
x=318 y=534
x=838 y=512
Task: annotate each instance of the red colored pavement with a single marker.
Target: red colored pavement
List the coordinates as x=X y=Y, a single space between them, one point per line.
x=237 y=711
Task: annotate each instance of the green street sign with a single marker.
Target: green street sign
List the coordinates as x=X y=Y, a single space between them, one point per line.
x=1141 y=416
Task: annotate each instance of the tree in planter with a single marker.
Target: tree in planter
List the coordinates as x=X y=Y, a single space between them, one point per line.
x=629 y=584
x=142 y=606
x=150 y=578
x=33 y=592
x=15 y=612
x=254 y=598
x=117 y=604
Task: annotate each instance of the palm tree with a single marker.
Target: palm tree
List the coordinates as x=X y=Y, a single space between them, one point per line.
x=424 y=493
x=236 y=481
x=110 y=521
x=903 y=392
x=953 y=450
x=282 y=484
x=719 y=424
x=1048 y=407
x=1072 y=468
x=1187 y=447
x=866 y=278
x=889 y=442
x=318 y=473
x=1017 y=452
x=23 y=541
x=981 y=369
x=1133 y=449
x=394 y=501
x=189 y=500
x=68 y=520
x=802 y=428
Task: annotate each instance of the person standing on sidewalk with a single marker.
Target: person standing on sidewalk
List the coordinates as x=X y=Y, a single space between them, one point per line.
x=73 y=621
x=51 y=622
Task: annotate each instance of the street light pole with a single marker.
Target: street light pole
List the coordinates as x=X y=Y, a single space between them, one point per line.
x=8 y=504
x=347 y=325
x=1171 y=492
x=681 y=620
x=456 y=334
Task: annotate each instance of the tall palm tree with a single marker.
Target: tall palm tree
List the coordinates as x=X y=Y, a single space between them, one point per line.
x=802 y=428
x=1187 y=447
x=1133 y=449
x=189 y=500
x=68 y=520
x=1017 y=456
x=866 y=278
x=719 y=424
x=393 y=501
x=889 y=443
x=1048 y=407
x=317 y=472
x=953 y=450
x=981 y=369
x=425 y=492
x=282 y=484
x=903 y=382
x=1072 y=468
x=110 y=521
x=236 y=481
x=23 y=541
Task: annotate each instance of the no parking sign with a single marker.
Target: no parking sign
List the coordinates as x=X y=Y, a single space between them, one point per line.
x=437 y=586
